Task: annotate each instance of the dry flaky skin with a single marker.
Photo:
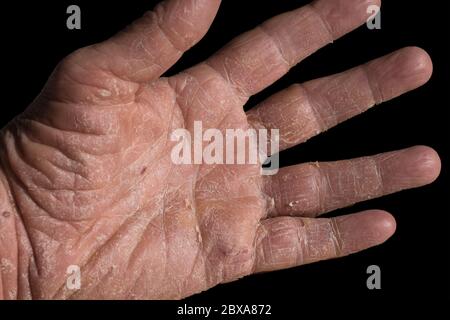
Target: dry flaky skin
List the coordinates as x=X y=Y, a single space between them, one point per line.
x=87 y=177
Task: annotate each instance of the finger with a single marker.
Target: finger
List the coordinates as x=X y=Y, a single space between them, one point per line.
x=316 y=188
x=153 y=43
x=286 y=242
x=259 y=57
x=303 y=111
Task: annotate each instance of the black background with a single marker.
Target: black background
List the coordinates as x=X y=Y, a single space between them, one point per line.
x=415 y=261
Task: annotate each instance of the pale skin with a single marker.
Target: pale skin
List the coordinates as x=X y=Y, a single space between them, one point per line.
x=87 y=177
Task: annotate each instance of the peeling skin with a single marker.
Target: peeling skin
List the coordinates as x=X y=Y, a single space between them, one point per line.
x=315 y=106
x=86 y=177
x=310 y=189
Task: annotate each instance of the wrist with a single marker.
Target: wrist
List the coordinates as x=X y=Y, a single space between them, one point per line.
x=13 y=255
x=8 y=243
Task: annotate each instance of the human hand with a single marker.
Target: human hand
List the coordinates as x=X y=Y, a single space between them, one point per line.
x=88 y=178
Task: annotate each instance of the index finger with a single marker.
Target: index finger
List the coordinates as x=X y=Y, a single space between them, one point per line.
x=256 y=59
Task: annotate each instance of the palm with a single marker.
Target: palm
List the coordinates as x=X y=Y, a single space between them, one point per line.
x=91 y=172
x=132 y=205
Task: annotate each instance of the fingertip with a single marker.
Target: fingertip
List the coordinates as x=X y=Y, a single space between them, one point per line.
x=385 y=223
x=427 y=163
x=399 y=72
x=343 y=16
x=365 y=229
x=409 y=168
x=376 y=3
x=419 y=63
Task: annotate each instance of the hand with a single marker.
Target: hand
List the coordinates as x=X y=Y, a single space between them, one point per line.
x=88 y=178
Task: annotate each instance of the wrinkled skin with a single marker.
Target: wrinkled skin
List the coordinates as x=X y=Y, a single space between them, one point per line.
x=87 y=177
